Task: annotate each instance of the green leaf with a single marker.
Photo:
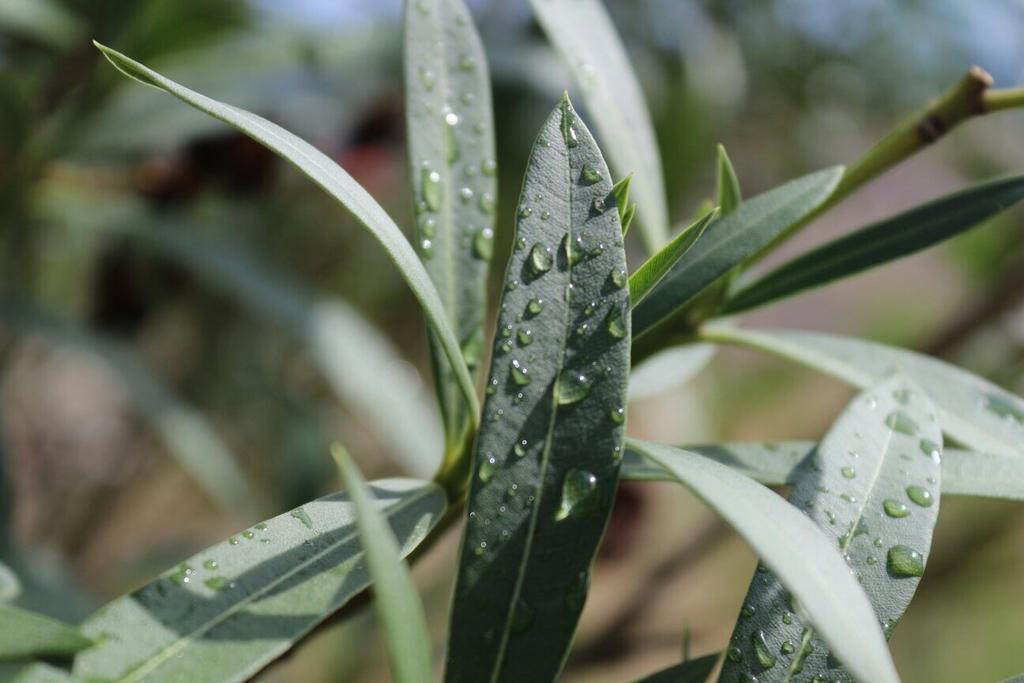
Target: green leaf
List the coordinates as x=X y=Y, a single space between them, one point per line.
x=737 y=237
x=224 y=614
x=323 y=171
x=452 y=166
x=775 y=463
x=583 y=32
x=396 y=601
x=547 y=455
x=784 y=538
x=185 y=433
x=10 y=586
x=46 y=21
x=668 y=369
x=872 y=486
x=887 y=240
x=643 y=281
x=728 y=185
x=690 y=671
x=973 y=411
x=36 y=672
x=362 y=366
x=25 y=635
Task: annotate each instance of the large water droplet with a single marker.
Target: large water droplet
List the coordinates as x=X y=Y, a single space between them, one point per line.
x=571 y=387
x=525 y=212
x=589 y=175
x=1004 y=408
x=848 y=472
x=895 y=508
x=541 y=259
x=426 y=248
x=579 y=494
x=525 y=336
x=451 y=142
x=617 y=320
x=618 y=415
x=573 y=249
x=905 y=561
x=920 y=496
x=210 y=564
x=764 y=656
x=487 y=468
x=733 y=654
x=428 y=79
x=183 y=574
x=569 y=127
x=483 y=244
x=430 y=188
x=930 y=448
x=898 y=421
x=467 y=63
x=787 y=647
x=487 y=202
x=520 y=375
x=534 y=307
x=301 y=515
x=619 y=278
x=218 y=583
x=489 y=167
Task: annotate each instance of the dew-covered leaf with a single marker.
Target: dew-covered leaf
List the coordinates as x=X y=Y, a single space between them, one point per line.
x=583 y=32
x=645 y=278
x=975 y=412
x=690 y=671
x=547 y=455
x=887 y=240
x=669 y=368
x=450 y=137
x=784 y=538
x=731 y=241
x=25 y=634
x=396 y=601
x=225 y=613
x=728 y=185
x=872 y=486
x=776 y=463
x=184 y=432
x=333 y=179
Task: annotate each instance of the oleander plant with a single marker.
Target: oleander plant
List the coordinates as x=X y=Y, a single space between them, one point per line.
x=535 y=414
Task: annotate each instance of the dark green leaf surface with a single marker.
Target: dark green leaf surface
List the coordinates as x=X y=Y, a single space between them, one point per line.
x=547 y=456
x=645 y=278
x=583 y=32
x=690 y=671
x=450 y=133
x=25 y=634
x=227 y=612
x=756 y=223
x=784 y=538
x=776 y=463
x=728 y=185
x=396 y=601
x=885 y=241
x=872 y=486
x=975 y=412
x=323 y=171
x=185 y=433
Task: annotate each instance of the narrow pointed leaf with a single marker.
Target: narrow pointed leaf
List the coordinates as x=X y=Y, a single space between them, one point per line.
x=784 y=538
x=227 y=612
x=184 y=432
x=887 y=240
x=643 y=281
x=668 y=369
x=973 y=411
x=583 y=32
x=450 y=133
x=728 y=190
x=690 y=671
x=36 y=672
x=756 y=223
x=323 y=171
x=775 y=463
x=872 y=486
x=398 y=605
x=26 y=635
x=547 y=455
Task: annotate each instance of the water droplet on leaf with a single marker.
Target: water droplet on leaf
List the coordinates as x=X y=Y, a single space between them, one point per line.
x=579 y=494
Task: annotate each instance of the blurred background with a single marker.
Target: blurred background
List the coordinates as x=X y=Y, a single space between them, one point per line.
x=186 y=323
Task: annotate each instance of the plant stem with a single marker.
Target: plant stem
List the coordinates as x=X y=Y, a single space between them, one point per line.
x=1008 y=98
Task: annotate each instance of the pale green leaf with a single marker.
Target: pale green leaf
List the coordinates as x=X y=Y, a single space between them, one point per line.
x=872 y=486
x=227 y=612
x=583 y=32
x=727 y=184
x=643 y=281
x=10 y=586
x=667 y=369
x=396 y=601
x=547 y=454
x=26 y=635
x=322 y=170
x=690 y=671
x=975 y=412
x=36 y=672
x=46 y=21
x=775 y=463
x=731 y=241
x=184 y=432
x=783 y=538
x=879 y=243
x=450 y=137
